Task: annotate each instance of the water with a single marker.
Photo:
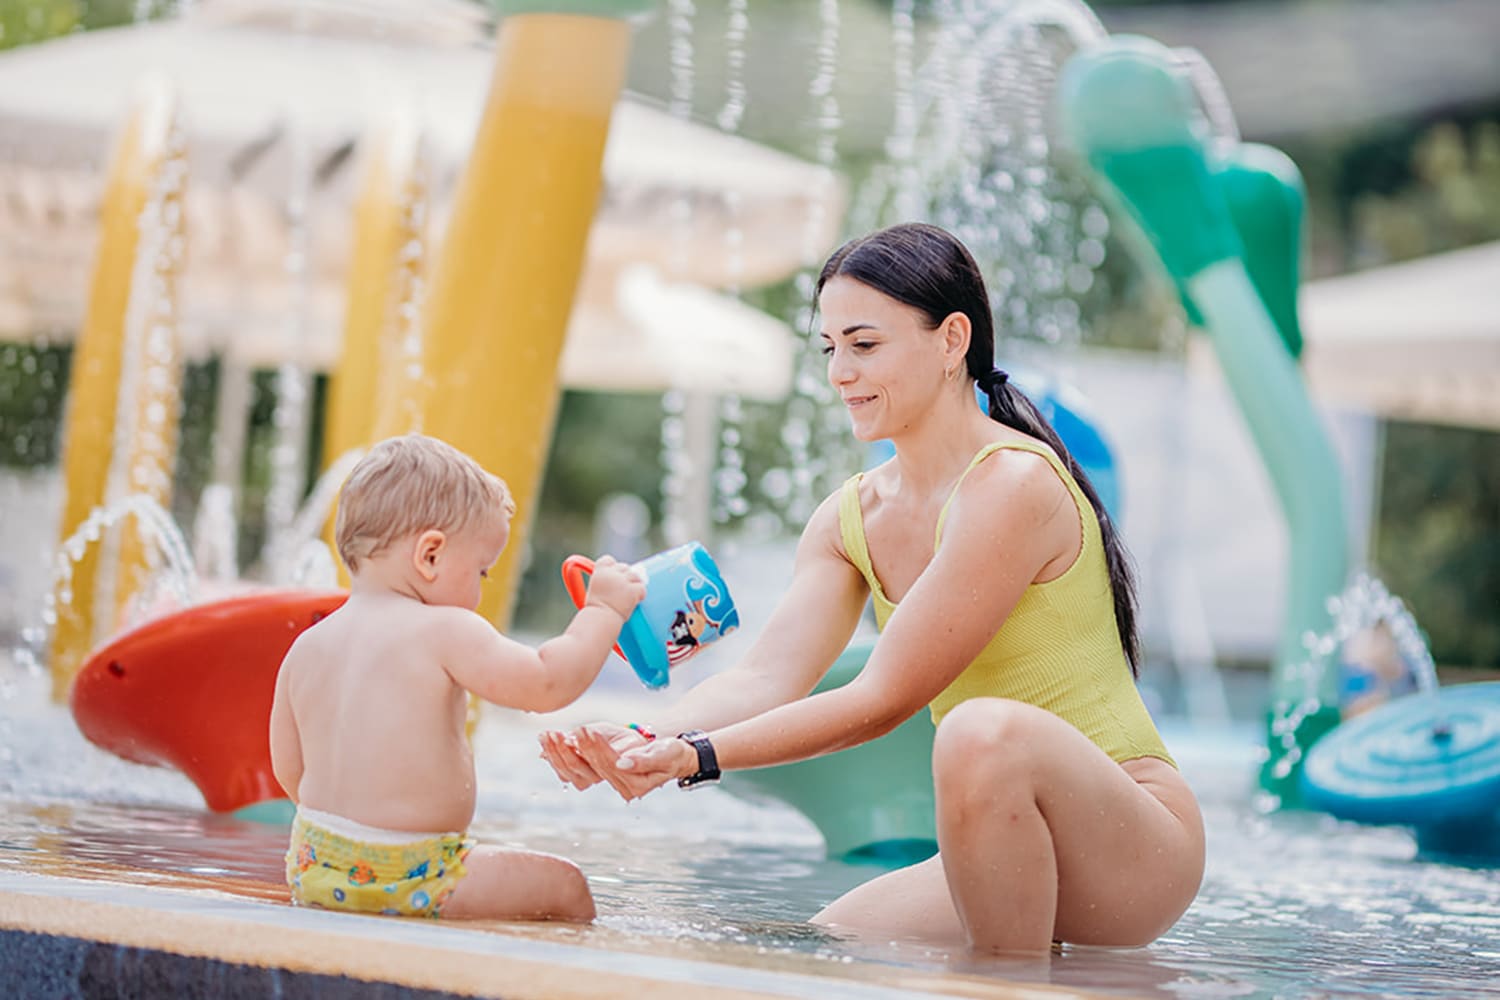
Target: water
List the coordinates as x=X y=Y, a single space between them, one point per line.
x=969 y=149
x=1364 y=604
x=306 y=561
x=173 y=575
x=1293 y=904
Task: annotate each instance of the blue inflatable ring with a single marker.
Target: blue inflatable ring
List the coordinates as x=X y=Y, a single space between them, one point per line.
x=1423 y=759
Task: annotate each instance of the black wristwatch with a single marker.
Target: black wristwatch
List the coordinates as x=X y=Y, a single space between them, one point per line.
x=708 y=761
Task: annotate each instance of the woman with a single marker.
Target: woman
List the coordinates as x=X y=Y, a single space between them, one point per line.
x=1005 y=603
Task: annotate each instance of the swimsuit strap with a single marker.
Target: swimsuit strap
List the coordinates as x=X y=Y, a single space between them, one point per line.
x=852 y=524
x=986 y=452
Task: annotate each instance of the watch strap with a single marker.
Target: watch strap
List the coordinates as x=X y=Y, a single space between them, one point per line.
x=708 y=761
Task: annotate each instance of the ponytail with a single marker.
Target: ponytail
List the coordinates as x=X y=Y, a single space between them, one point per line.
x=1011 y=407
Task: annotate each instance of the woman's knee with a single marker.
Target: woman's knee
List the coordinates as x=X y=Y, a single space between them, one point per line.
x=985 y=739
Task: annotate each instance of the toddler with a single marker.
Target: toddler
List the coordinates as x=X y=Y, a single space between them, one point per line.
x=367 y=727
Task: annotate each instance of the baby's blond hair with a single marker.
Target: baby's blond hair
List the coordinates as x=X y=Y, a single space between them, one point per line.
x=409 y=484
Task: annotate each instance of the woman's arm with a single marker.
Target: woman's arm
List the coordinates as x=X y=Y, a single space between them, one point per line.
x=1012 y=518
x=807 y=630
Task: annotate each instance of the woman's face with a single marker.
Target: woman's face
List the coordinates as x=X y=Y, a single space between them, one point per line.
x=883 y=361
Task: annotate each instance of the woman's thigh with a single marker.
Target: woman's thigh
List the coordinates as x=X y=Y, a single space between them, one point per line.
x=1127 y=838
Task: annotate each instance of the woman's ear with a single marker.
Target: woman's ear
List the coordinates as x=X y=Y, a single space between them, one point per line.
x=426 y=552
x=956 y=331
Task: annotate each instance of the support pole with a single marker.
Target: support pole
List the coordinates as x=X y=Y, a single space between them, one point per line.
x=503 y=283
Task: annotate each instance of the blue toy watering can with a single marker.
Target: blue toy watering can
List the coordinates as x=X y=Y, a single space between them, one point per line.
x=687 y=607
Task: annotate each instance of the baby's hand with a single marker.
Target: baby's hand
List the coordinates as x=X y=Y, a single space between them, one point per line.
x=615 y=586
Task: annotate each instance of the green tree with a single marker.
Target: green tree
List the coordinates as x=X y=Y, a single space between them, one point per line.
x=1438 y=538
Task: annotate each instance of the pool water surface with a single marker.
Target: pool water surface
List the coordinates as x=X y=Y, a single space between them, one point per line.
x=1293 y=904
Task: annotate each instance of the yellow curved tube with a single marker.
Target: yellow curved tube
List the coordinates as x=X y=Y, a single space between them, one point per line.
x=503 y=283
x=370 y=395
x=128 y=292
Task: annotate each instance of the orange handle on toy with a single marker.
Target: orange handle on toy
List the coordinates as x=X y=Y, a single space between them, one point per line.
x=574 y=569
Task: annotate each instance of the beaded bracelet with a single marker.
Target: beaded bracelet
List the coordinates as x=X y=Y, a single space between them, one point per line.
x=644 y=730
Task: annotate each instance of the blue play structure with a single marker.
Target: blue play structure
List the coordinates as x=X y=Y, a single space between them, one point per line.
x=1430 y=761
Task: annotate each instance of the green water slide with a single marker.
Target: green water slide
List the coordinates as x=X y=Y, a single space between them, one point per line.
x=872 y=803
x=1225 y=220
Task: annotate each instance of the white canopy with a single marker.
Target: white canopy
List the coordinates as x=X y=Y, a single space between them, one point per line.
x=276 y=90
x=1415 y=341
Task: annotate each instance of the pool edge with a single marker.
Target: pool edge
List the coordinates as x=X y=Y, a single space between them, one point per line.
x=262 y=948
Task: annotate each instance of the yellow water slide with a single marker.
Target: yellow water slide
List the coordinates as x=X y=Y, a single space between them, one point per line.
x=128 y=336
x=501 y=287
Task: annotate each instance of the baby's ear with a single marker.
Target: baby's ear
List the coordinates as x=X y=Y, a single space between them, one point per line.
x=425 y=553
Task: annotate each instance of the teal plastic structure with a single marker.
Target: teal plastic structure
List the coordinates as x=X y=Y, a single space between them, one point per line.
x=872 y=803
x=1225 y=225
x=1430 y=761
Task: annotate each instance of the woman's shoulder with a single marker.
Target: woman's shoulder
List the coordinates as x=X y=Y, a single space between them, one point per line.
x=824 y=531
x=1014 y=454
x=1014 y=468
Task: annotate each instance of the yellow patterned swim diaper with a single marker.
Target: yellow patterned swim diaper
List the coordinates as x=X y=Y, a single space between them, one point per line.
x=338 y=864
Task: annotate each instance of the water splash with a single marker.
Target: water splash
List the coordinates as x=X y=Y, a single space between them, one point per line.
x=729 y=502
x=411 y=291
x=677 y=459
x=297 y=554
x=215 y=530
x=291 y=415
x=1364 y=603
x=174 y=569
x=795 y=488
x=145 y=430
x=979 y=111
x=968 y=149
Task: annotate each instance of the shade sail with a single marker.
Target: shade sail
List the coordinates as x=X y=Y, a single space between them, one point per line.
x=1415 y=341
x=268 y=94
x=275 y=97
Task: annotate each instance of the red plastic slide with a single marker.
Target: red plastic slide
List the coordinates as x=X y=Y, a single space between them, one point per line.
x=193 y=689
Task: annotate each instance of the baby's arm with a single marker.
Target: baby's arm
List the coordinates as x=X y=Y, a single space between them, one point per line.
x=286 y=744
x=552 y=675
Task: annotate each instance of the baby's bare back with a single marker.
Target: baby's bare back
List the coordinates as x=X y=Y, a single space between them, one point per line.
x=380 y=722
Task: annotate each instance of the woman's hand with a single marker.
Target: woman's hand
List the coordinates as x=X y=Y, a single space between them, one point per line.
x=639 y=769
x=561 y=750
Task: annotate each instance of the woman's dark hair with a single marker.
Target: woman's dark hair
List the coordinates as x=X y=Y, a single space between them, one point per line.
x=928 y=269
